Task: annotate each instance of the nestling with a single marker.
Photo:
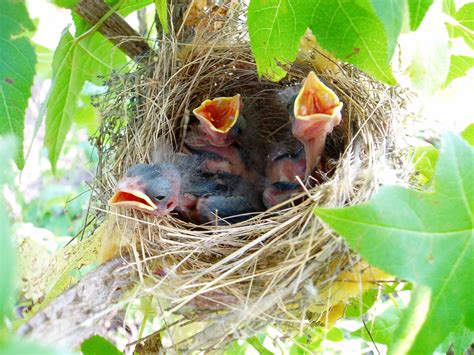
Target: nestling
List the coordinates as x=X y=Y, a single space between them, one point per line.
x=162 y=188
x=316 y=111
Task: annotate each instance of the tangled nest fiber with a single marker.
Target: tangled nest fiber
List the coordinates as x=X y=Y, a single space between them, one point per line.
x=276 y=268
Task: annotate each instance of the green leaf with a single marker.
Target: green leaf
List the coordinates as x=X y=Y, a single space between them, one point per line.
x=449 y=7
x=130 y=6
x=411 y=321
x=460 y=340
x=68 y=79
x=275 y=30
x=87 y=116
x=465 y=24
x=17 y=69
x=235 y=349
x=425 y=157
x=161 y=10
x=382 y=327
x=100 y=57
x=360 y=306
x=73 y=64
x=7 y=259
x=424 y=160
x=468 y=134
x=68 y=4
x=390 y=13
x=417 y=10
x=430 y=64
x=45 y=58
x=459 y=66
x=335 y=335
x=15 y=346
x=257 y=345
x=308 y=342
x=424 y=237
x=352 y=31
x=96 y=345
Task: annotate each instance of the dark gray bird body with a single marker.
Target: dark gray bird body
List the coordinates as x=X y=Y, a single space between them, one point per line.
x=181 y=185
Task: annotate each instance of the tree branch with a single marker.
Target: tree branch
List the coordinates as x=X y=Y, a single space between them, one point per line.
x=115 y=28
x=80 y=312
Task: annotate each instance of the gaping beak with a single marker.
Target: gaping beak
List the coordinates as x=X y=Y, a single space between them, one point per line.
x=128 y=193
x=217 y=117
x=317 y=111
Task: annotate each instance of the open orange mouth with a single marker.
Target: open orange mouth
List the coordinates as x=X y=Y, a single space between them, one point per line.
x=316 y=100
x=132 y=199
x=220 y=114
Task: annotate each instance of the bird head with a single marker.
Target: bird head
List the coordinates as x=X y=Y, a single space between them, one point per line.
x=316 y=111
x=149 y=188
x=220 y=119
x=316 y=102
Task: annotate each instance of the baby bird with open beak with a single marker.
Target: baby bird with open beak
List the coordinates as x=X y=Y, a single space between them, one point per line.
x=220 y=120
x=161 y=188
x=316 y=111
x=221 y=138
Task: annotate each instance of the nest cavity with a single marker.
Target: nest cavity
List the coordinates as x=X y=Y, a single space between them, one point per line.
x=276 y=267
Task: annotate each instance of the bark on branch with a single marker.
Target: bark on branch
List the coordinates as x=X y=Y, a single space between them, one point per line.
x=114 y=28
x=81 y=311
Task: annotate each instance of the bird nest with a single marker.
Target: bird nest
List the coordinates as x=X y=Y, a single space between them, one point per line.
x=276 y=268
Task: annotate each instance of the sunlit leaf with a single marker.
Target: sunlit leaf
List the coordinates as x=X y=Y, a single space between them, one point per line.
x=468 y=134
x=68 y=4
x=381 y=328
x=390 y=13
x=465 y=24
x=460 y=64
x=360 y=305
x=96 y=345
x=73 y=64
x=424 y=237
x=460 y=340
x=17 y=69
x=430 y=65
x=449 y=7
x=308 y=343
x=7 y=259
x=16 y=346
x=335 y=334
x=275 y=29
x=353 y=32
x=235 y=348
x=162 y=11
x=424 y=159
x=130 y=6
x=45 y=58
x=87 y=116
x=258 y=345
x=100 y=57
x=417 y=10
x=68 y=79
